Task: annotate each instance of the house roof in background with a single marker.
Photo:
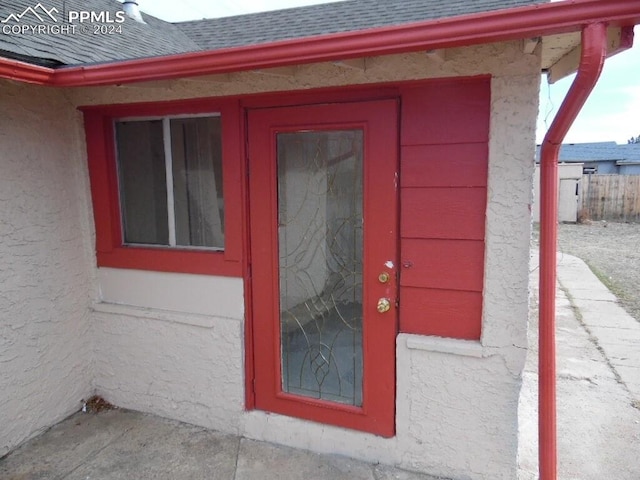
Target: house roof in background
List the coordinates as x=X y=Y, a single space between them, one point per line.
x=597 y=152
x=160 y=38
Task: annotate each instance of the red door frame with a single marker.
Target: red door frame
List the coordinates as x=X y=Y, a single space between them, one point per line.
x=379 y=120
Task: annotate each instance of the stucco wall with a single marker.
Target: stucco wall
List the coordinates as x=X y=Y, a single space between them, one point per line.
x=171 y=344
x=45 y=343
x=155 y=352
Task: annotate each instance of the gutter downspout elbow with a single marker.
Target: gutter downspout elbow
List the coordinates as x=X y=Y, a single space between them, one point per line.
x=594 y=52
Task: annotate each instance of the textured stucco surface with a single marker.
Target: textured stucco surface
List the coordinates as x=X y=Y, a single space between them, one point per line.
x=185 y=372
x=457 y=417
x=171 y=344
x=45 y=342
x=456 y=414
x=511 y=165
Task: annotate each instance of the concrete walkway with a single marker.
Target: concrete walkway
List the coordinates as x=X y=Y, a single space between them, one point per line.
x=126 y=445
x=598 y=354
x=598 y=424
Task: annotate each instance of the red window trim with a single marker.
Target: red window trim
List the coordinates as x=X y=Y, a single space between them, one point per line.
x=110 y=250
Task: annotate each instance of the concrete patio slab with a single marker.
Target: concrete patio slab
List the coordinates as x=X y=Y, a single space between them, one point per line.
x=125 y=445
x=584 y=287
x=617 y=336
x=156 y=448
x=621 y=354
x=66 y=446
x=599 y=313
x=631 y=377
x=121 y=444
x=256 y=458
x=614 y=331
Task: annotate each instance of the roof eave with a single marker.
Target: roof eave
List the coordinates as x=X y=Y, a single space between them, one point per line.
x=493 y=26
x=25 y=72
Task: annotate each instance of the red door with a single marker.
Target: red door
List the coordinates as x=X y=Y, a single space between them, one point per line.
x=324 y=216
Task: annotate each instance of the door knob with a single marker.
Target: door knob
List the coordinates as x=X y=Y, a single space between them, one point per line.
x=384 y=305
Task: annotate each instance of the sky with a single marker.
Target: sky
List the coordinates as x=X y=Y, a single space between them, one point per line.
x=612 y=112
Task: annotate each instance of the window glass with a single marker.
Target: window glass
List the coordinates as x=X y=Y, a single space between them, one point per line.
x=196 y=153
x=143 y=182
x=170 y=181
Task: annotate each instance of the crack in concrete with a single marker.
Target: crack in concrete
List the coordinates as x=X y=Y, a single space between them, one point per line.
x=374 y=472
x=592 y=338
x=568 y=376
x=94 y=453
x=235 y=467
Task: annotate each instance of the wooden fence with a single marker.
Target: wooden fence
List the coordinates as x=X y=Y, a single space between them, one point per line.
x=610 y=197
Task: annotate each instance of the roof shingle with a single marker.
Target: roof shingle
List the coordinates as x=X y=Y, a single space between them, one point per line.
x=90 y=45
x=346 y=16
x=158 y=38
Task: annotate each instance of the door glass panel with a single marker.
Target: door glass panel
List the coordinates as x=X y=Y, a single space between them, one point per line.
x=320 y=263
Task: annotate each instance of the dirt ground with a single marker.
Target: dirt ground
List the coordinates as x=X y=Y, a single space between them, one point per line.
x=612 y=251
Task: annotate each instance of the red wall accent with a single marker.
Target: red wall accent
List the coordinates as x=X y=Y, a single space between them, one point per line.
x=444 y=313
x=443 y=179
x=443 y=212
x=444 y=113
x=443 y=264
x=422 y=165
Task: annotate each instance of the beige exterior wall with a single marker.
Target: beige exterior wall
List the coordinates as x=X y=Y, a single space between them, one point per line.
x=46 y=359
x=456 y=400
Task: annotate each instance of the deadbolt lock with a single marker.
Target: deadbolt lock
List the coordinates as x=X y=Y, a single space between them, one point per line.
x=384 y=305
x=384 y=277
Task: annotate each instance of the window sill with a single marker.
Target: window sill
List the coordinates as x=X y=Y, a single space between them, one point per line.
x=170 y=260
x=191 y=319
x=466 y=348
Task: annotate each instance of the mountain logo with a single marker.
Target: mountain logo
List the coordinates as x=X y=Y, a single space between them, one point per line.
x=39 y=11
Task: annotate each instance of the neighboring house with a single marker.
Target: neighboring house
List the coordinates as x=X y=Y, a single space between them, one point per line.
x=602 y=158
x=629 y=164
x=577 y=159
x=309 y=227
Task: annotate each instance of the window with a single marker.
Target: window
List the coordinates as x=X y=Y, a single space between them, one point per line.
x=166 y=186
x=170 y=181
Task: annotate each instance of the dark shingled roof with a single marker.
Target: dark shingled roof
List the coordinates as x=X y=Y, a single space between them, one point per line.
x=330 y=18
x=597 y=152
x=158 y=38
x=137 y=40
